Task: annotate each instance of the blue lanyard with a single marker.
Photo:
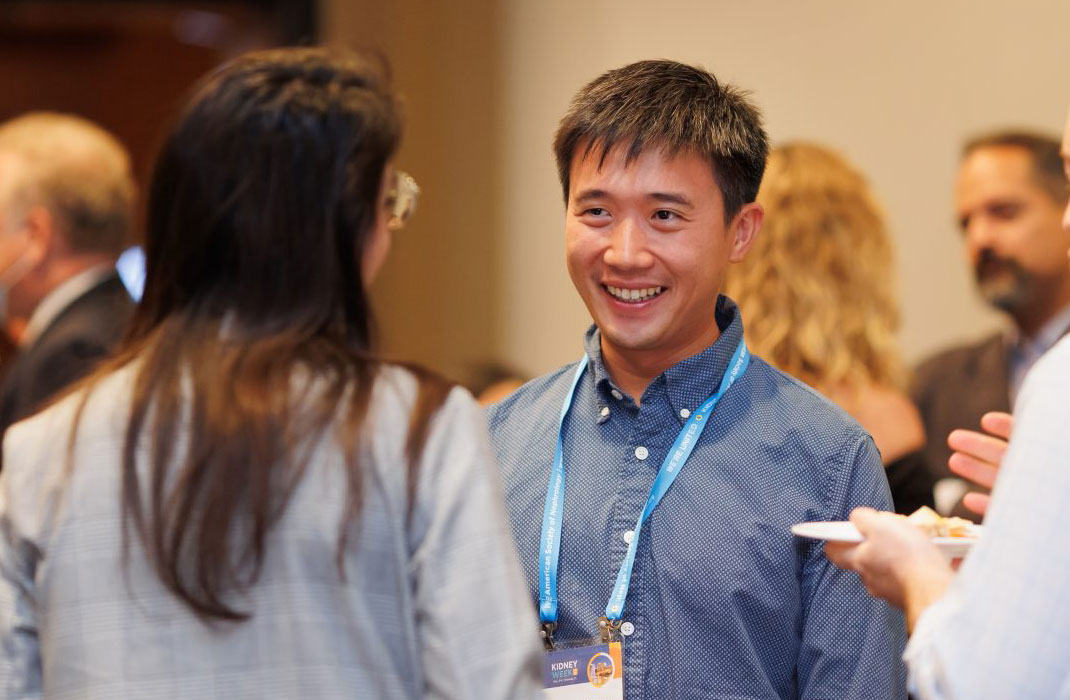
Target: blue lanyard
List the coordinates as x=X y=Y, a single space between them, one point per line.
x=553 y=513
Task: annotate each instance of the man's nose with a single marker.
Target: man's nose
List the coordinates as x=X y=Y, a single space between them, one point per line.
x=980 y=236
x=628 y=247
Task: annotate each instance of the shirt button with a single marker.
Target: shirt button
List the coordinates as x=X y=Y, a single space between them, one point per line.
x=629 y=536
x=641 y=452
x=604 y=412
x=627 y=628
x=616 y=394
x=684 y=413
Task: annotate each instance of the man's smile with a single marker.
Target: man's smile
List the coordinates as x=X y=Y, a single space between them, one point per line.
x=633 y=296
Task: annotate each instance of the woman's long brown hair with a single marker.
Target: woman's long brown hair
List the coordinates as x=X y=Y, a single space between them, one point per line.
x=252 y=341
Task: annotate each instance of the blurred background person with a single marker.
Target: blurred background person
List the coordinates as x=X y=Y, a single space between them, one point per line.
x=818 y=290
x=245 y=502
x=66 y=204
x=1009 y=198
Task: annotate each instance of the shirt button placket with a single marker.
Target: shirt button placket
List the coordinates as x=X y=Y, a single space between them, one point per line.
x=647 y=431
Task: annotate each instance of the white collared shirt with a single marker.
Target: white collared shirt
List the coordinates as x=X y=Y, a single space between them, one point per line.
x=56 y=301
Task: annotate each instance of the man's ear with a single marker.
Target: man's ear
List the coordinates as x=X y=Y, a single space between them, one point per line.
x=745 y=227
x=42 y=237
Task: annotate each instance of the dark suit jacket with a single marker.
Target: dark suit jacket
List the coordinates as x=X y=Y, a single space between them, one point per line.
x=67 y=349
x=955 y=388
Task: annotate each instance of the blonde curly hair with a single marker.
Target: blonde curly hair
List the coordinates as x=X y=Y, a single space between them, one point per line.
x=816 y=289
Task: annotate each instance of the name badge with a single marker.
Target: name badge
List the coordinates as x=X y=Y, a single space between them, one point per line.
x=584 y=673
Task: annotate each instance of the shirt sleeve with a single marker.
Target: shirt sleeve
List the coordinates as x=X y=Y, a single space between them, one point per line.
x=1001 y=629
x=851 y=642
x=477 y=630
x=20 y=654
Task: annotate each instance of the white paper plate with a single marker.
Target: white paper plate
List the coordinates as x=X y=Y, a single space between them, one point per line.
x=844 y=531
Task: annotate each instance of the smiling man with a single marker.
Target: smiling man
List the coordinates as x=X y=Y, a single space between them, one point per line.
x=652 y=484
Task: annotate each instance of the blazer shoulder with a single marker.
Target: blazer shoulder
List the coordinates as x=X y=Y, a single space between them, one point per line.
x=98 y=317
x=100 y=409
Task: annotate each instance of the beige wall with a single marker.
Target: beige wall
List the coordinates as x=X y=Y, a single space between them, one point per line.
x=895 y=86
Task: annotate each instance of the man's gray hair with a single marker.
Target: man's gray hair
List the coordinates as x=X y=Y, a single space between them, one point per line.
x=76 y=170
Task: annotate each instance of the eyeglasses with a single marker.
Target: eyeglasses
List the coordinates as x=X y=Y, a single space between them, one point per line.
x=401 y=199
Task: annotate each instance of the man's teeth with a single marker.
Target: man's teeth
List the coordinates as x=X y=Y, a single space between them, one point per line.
x=634 y=295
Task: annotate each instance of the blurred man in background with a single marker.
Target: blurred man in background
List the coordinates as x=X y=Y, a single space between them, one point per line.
x=1009 y=199
x=66 y=204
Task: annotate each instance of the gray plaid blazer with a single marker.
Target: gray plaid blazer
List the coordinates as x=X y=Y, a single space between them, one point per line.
x=434 y=607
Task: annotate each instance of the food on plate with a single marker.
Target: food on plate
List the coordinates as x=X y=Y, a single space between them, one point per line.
x=936 y=525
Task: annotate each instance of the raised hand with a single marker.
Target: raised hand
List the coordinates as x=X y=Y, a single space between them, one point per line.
x=977 y=455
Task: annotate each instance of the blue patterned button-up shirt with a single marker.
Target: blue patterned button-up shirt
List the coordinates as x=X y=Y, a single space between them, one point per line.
x=724 y=602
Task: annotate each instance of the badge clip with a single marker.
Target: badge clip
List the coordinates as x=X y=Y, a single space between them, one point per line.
x=609 y=629
x=547 y=634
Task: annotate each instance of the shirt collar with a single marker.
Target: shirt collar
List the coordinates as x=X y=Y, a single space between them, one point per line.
x=57 y=301
x=690 y=381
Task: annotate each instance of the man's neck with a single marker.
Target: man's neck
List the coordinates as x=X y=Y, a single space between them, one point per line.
x=24 y=297
x=634 y=370
x=59 y=292
x=1030 y=322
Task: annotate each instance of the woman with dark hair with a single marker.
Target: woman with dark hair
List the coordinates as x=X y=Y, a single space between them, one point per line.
x=245 y=502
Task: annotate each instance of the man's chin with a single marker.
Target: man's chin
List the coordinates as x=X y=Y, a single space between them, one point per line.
x=1003 y=296
x=627 y=340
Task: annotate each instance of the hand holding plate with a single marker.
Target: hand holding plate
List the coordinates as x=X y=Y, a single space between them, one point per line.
x=896 y=561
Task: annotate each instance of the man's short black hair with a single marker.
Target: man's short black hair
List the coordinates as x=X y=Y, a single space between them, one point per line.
x=674 y=106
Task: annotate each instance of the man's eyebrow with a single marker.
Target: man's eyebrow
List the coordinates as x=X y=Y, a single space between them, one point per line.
x=588 y=195
x=668 y=197
x=671 y=198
